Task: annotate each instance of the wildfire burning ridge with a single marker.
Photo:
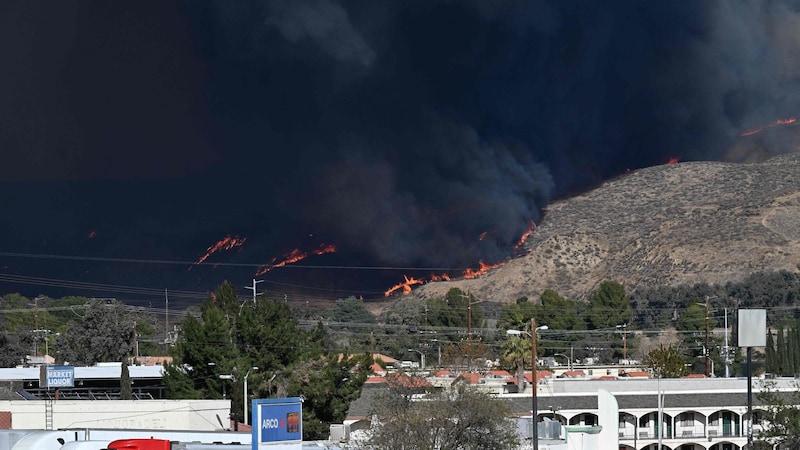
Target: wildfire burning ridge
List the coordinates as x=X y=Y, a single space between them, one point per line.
x=293 y=257
x=231 y=241
x=227 y=243
x=469 y=273
x=777 y=123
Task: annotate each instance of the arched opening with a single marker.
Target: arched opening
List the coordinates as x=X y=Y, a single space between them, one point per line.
x=690 y=424
x=724 y=446
x=650 y=428
x=584 y=419
x=627 y=426
x=691 y=446
x=553 y=416
x=724 y=423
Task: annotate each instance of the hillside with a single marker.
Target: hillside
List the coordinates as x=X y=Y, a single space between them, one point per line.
x=674 y=224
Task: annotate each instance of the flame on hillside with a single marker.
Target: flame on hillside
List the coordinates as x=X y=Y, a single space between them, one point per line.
x=226 y=243
x=526 y=234
x=292 y=257
x=777 y=123
x=405 y=286
x=482 y=269
x=674 y=160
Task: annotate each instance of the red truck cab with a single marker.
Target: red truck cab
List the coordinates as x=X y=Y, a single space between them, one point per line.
x=140 y=444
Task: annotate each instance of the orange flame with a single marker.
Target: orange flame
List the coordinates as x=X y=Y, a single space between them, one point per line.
x=226 y=243
x=442 y=277
x=777 y=123
x=483 y=235
x=674 y=160
x=469 y=273
x=294 y=256
x=526 y=234
x=405 y=286
x=482 y=269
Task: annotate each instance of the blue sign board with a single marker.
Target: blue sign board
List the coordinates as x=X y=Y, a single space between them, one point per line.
x=277 y=420
x=60 y=376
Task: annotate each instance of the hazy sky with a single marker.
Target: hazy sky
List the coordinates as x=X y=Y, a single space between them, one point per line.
x=398 y=131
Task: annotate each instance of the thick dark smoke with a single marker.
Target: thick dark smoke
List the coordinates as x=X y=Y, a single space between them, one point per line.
x=399 y=131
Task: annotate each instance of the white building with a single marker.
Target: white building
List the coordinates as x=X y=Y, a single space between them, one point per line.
x=698 y=413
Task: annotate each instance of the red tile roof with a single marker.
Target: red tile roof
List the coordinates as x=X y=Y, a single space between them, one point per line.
x=634 y=373
x=401 y=379
x=540 y=375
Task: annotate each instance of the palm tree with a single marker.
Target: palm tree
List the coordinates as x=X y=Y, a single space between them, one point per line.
x=516 y=351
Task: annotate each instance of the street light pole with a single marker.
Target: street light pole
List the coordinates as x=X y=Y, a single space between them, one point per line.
x=245 y=392
x=534 y=380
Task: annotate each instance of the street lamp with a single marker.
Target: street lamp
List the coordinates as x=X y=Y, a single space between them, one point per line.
x=245 y=390
x=534 y=380
x=421 y=358
x=226 y=377
x=569 y=361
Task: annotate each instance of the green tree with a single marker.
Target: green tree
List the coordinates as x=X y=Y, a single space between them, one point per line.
x=782 y=415
x=407 y=327
x=230 y=337
x=455 y=309
x=459 y=418
x=329 y=383
x=354 y=328
x=557 y=312
x=104 y=333
x=693 y=319
x=610 y=306
x=692 y=326
x=515 y=352
x=780 y=350
x=205 y=350
x=771 y=364
x=516 y=316
x=125 y=389
x=13 y=349
x=352 y=310
x=666 y=362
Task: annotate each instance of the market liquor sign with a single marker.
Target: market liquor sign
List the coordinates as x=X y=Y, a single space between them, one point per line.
x=56 y=376
x=277 y=423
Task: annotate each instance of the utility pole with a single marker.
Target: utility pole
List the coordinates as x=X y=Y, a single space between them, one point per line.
x=624 y=328
x=166 y=319
x=708 y=356
x=469 y=332
x=253 y=287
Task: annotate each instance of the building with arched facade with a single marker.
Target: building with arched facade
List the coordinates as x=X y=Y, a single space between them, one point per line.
x=697 y=413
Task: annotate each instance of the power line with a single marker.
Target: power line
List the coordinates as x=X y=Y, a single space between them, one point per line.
x=227 y=264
